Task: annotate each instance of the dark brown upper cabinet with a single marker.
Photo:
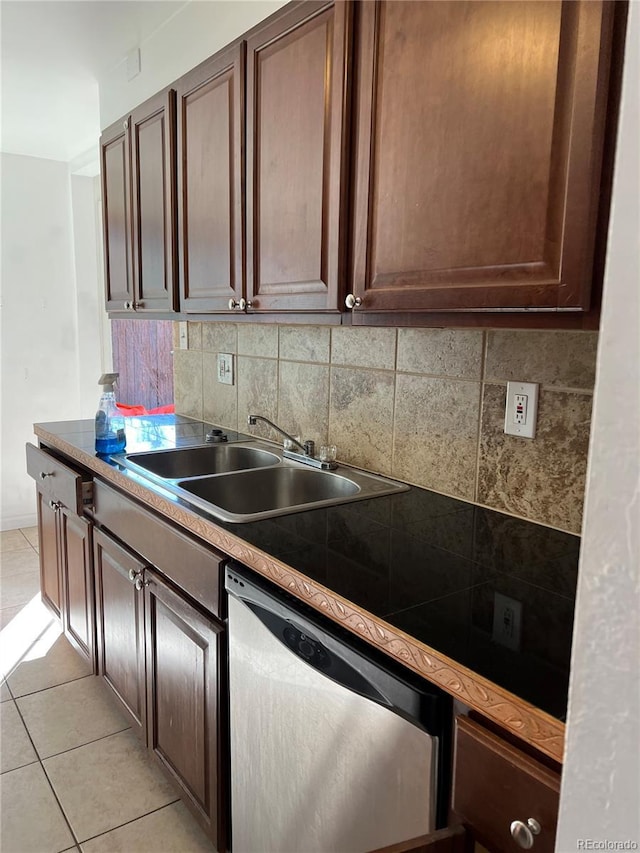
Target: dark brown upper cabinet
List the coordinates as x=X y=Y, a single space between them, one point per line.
x=139 y=206
x=115 y=170
x=297 y=110
x=478 y=154
x=210 y=126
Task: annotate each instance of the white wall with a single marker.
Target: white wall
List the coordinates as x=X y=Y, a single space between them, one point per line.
x=94 y=335
x=196 y=32
x=600 y=798
x=39 y=372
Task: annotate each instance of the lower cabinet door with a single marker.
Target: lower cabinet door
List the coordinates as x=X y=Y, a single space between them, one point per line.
x=185 y=715
x=120 y=626
x=48 y=549
x=78 y=618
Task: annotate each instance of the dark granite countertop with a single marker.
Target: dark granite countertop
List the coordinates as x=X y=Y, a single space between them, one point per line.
x=487 y=590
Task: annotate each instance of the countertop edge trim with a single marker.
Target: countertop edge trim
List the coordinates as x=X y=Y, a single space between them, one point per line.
x=517 y=716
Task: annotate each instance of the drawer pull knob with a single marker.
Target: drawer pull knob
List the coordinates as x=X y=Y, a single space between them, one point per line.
x=133 y=575
x=140 y=584
x=524 y=833
x=45 y=474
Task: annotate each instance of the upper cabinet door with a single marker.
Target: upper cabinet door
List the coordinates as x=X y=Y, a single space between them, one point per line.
x=152 y=128
x=116 y=212
x=210 y=134
x=478 y=153
x=297 y=101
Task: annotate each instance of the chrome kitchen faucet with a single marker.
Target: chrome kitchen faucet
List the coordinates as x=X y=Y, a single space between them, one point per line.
x=308 y=448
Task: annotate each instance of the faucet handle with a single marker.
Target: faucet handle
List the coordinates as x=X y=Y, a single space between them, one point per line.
x=310 y=447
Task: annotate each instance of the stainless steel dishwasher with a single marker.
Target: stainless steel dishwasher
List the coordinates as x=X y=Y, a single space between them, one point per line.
x=334 y=748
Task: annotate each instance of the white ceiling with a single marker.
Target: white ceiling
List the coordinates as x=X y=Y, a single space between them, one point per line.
x=52 y=53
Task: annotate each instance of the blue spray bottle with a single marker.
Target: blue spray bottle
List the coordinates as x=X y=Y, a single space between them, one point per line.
x=110 y=433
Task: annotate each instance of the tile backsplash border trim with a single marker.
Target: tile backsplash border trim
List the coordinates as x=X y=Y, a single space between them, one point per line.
x=438 y=436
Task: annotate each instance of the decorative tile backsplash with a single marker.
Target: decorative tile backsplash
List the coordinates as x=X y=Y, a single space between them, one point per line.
x=423 y=405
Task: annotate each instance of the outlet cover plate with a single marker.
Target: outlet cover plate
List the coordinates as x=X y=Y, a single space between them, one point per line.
x=515 y=423
x=507 y=621
x=225 y=368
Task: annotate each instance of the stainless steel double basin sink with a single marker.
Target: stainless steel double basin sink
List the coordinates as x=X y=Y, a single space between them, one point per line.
x=251 y=480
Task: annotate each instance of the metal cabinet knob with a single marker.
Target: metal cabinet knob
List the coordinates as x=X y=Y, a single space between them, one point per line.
x=55 y=504
x=233 y=304
x=125 y=124
x=133 y=575
x=352 y=301
x=45 y=474
x=523 y=833
x=140 y=584
x=127 y=306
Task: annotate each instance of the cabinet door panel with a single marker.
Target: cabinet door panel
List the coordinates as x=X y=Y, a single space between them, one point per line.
x=120 y=627
x=48 y=552
x=296 y=123
x=210 y=133
x=153 y=173
x=116 y=213
x=77 y=583
x=479 y=144
x=183 y=700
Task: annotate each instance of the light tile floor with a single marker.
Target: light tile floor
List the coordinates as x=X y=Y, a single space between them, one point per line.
x=73 y=776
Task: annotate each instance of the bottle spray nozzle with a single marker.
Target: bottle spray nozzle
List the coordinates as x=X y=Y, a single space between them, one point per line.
x=108 y=380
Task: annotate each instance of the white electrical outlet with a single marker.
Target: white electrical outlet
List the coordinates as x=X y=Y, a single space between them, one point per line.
x=225 y=368
x=521 y=409
x=183 y=336
x=507 y=621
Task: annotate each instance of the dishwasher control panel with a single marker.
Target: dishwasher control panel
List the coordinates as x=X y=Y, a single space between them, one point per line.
x=306 y=647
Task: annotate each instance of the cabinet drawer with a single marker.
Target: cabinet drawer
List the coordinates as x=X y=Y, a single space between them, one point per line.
x=495 y=783
x=191 y=566
x=58 y=481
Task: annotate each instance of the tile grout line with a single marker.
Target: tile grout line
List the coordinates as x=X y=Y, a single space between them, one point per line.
x=330 y=366
x=46 y=776
x=20 y=766
x=483 y=366
x=133 y=820
x=394 y=399
x=87 y=743
x=434 y=600
x=104 y=737
x=53 y=686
